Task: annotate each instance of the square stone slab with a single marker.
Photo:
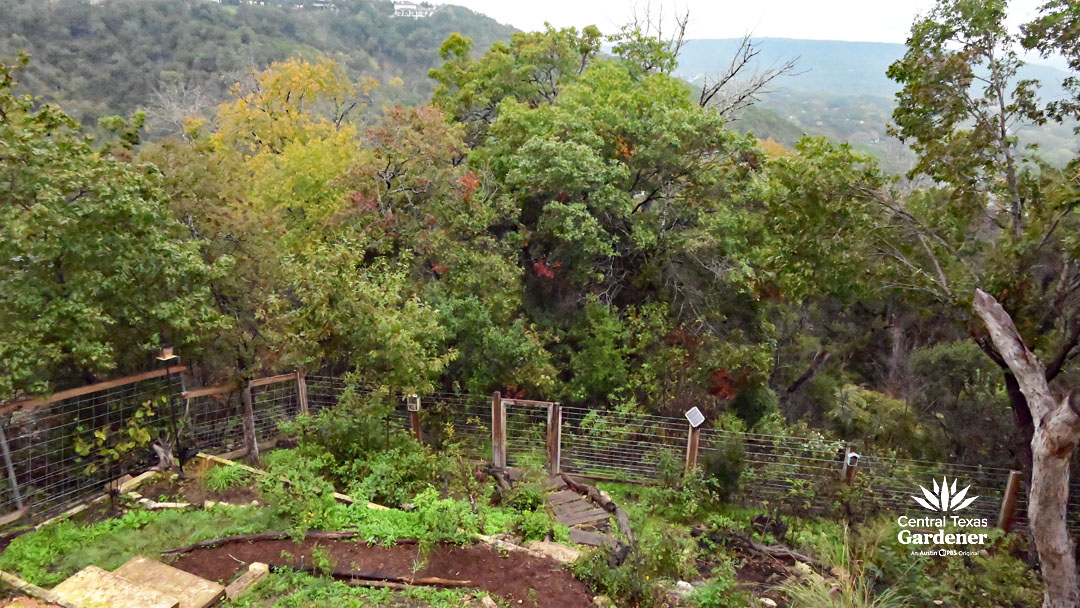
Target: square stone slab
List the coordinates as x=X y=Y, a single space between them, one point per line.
x=192 y=591
x=93 y=587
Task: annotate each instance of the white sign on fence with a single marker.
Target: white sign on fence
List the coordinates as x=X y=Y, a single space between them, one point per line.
x=695 y=417
x=413 y=403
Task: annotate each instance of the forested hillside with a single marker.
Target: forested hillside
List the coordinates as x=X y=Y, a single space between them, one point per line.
x=569 y=226
x=841 y=90
x=172 y=56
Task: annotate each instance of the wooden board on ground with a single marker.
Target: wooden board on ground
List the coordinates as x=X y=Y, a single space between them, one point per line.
x=583 y=517
x=562 y=497
x=572 y=508
x=254 y=573
x=592 y=539
x=190 y=590
x=93 y=587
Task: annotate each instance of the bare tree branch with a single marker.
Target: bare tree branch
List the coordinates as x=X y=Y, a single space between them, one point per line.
x=729 y=92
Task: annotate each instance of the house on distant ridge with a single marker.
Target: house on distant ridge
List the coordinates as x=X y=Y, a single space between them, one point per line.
x=415 y=10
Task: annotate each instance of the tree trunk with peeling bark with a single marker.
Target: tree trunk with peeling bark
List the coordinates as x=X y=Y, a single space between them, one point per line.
x=1057 y=428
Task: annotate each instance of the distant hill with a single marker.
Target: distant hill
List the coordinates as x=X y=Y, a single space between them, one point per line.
x=121 y=55
x=842 y=92
x=833 y=66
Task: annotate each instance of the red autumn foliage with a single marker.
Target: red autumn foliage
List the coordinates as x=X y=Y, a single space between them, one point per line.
x=541 y=268
x=721 y=385
x=468 y=185
x=362 y=202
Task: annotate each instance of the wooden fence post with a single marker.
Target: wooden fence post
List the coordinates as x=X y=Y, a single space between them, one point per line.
x=692 y=441
x=414 y=417
x=554 y=437
x=250 y=440
x=498 y=432
x=301 y=390
x=12 y=480
x=1008 y=501
x=851 y=466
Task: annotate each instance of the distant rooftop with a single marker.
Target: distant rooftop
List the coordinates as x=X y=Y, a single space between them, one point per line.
x=414 y=10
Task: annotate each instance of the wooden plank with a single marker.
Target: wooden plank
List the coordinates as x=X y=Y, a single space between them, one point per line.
x=573 y=508
x=13 y=482
x=692 y=441
x=562 y=497
x=272 y=380
x=584 y=517
x=89 y=388
x=206 y=392
x=93 y=587
x=225 y=461
x=301 y=390
x=33 y=590
x=498 y=432
x=592 y=539
x=190 y=590
x=512 y=402
x=554 y=438
x=250 y=439
x=14 y=516
x=255 y=572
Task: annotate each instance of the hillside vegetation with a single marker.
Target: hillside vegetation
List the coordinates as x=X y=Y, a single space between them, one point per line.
x=562 y=224
x=174 y=56
x=841 y=90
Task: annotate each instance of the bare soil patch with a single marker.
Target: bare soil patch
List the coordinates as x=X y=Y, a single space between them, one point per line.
x=191 y=490
x=513 y=576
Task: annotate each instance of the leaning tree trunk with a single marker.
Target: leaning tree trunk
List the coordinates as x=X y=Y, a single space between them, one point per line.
x=1057 y=428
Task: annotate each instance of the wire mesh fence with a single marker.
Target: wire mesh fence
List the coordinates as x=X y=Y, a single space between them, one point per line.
x=58 y=458
x=215 y=421
x=618 y=445
x=273 y=404
x=526 y=433
x=60 y=451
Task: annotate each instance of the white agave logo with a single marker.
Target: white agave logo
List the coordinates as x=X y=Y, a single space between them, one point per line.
x=944 y=498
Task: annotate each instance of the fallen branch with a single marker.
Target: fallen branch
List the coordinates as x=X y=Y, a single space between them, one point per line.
x=776 y=551
x=264 y=536
x=604 y=503
x=354 y=575
x=250 y=469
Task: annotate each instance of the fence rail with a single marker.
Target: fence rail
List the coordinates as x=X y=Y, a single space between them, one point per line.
x=52 y=459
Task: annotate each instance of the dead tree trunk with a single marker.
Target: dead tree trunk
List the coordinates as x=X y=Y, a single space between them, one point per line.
x=1057 y=428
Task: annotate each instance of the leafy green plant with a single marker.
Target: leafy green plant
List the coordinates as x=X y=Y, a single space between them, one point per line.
x=297 y=491
x=721 y=590
x=118 y=447
x=536 y=525
x=626 y=584
x=221 y=478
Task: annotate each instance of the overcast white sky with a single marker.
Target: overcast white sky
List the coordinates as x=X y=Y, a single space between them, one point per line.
x=859 y=20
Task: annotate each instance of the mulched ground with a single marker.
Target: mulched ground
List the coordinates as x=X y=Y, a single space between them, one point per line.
x=513 y=576
x=23 y=601
x=190 y=490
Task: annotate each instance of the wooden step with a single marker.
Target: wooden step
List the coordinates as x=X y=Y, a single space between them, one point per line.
x=583 y=517
x=93 y=587
x=191 y=591
x=562 y=497
x=592 y=539
x=570 y=508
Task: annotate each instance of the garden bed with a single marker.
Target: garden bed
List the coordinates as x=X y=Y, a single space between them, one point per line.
x=513 y=576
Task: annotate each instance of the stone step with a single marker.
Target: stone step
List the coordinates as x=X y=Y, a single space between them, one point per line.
x=93 y=587
x=191 y=591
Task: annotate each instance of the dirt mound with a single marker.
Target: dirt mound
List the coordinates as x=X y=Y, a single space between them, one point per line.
x=513 y=576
